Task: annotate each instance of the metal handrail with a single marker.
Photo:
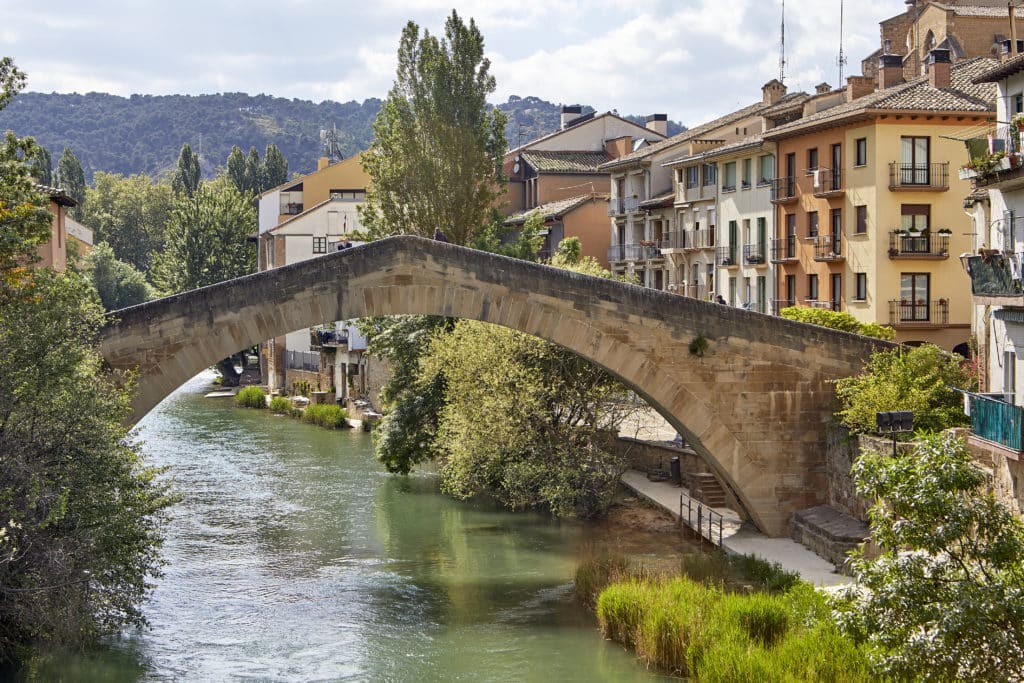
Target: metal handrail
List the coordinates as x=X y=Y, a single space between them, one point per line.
x=695 y=506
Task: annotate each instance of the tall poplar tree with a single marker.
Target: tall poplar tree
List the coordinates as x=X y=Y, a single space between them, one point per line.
x=71 y=178
x=236 y=168
x=275 y=168
x=253 y=172
x=187 y=176
x=435 y=163
x=41 y=165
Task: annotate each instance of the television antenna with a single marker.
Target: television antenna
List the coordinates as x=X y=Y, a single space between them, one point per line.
x=841 y=61
x=330 y=143
x=782 y=45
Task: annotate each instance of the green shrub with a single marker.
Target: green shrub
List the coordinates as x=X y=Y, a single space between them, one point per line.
x=707 y=568
x=837 y=320
x=764 y=618
x=620 y=608
x=768 y=576
x=251 y=397
x=595 y=572
x=326 y=415
x=280 y=405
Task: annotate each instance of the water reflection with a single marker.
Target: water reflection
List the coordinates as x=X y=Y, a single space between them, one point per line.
x=294 y=557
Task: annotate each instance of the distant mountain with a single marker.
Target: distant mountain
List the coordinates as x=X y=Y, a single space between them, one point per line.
x=144 y=133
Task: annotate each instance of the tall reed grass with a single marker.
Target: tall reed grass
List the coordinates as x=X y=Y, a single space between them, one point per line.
x=251 y=397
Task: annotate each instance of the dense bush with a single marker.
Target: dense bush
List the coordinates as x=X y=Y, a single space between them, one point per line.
x=919 y=379
x=280 y=405
x=837 y=320
x=326 y=415
x=251 y=397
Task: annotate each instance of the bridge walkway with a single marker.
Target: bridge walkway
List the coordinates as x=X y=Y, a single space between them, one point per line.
x=742 y=538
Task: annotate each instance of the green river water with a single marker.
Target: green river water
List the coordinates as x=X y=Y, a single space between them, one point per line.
x=294 y=557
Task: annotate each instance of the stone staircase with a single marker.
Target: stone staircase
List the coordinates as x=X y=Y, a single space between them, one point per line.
x=828 y=532
x=706 y=488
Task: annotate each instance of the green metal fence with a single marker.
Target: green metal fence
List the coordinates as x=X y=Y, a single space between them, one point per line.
x=997 y=421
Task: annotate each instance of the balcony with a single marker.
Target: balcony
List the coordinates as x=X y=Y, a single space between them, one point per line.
x=918 y=246
x=830 y=183
x=923 y=313
x=822 y=304
x=919 y=177
x=784 y=249
x=675 y=240
x=698 y=239
x=783 y=190
x=996 y=420
x=725 y=257
x=646 y=250
x=616 y=252
x=995 y=279
x=291 y=208
x=632 y=204
x=755 y=254
x=828 y=248
x=616 y=207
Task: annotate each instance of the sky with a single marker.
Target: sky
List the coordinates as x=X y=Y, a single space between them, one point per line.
x=691 y=59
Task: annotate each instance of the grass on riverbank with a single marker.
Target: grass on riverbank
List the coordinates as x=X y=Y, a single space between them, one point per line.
x=724 y=619
x=328 y=416
x=251 y=397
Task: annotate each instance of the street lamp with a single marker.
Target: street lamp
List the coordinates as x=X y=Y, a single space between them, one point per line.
x=895 y=422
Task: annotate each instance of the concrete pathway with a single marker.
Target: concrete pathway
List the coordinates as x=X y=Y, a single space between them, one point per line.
x=742 y=538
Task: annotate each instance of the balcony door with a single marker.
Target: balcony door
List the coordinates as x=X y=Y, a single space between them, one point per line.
x=914 y=157
x=791 y=174
x=836 y=181
x=916 y=221
x=914 y=293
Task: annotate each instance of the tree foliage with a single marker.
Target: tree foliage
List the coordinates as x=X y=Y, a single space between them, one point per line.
x=118 y=284
x=41 y=164
x=205 y=242
x=275 y=168
x=80 y=513
x=526 y=421
x=838 y=320
x=187 y=175
x=235 y=169
x=917 y=379
x=71 y=177
x=945 y=600
x=130 y=214
x=436 y=157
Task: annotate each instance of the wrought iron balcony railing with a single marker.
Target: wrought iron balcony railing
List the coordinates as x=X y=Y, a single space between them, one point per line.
x=783 y=190
x=924 y=245
x=920 y=312
x=726 y=256
x=783 y=248
x=828 y=248
x=755 y=254
x=933 y=177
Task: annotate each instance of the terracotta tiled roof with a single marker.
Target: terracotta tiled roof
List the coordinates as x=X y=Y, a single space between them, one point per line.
x=963 y=95
x=703 y=129
x=750 y=141
x=565 y=162
x=596 y=117
x=1001 y=71
x=57 y=194
x=553 y=210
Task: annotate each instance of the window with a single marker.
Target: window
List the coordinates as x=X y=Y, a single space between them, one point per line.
x=319 y=245
x=862 y=152
x=747 y=165
x=1018 y=103
x=710 y=174
x=729 y=182
x=862 y=218
x=914 y=292
x=790 y=235
x=812 y=223
x=836 y=298
x=732 y=291
x=812 y=159
x=790 y=290
x=837 y=222
x=692 y=177
x=914 y=155
x=765 y=169
x=862 y=287
x=812 y=287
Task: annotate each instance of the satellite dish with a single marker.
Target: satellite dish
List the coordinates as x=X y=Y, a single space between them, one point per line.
x=515 y=168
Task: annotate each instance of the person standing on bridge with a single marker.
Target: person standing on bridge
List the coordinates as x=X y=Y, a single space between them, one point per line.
x=439 y=236
x=720 y=300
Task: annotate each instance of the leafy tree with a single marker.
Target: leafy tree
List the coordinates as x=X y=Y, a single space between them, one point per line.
x=42 y=166
x=81 y=514
x=837 y=320
x=118 y=284
x=12 y=81
x=918 y=379
x=531 y=423
x=187 y=175
x=71 y=178
x=205 y=243
x=130 y=214
x=275 y=168
x=236 y=169
x=436 y=157
x=253 y=172
x=945 y=600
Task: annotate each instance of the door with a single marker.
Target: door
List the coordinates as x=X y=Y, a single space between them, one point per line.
x=914 y=292
x=790 y=174
x=837 y=292
x=837 y=168
x=733 y=240
x=914 y=157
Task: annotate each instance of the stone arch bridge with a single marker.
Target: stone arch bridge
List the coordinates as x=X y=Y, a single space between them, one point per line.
x=754 y=405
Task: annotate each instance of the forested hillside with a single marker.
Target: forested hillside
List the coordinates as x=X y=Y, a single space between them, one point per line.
x=144 y=133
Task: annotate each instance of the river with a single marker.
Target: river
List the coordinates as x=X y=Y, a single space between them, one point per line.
x=294 y=557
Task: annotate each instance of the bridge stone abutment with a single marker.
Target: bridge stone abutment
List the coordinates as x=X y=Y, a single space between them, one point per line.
x=755 y=405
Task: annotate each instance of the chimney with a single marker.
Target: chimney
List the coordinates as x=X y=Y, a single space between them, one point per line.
x=618 y=147
x=772 y=91
x=570 y=114
x=658 y=123
x=822 y=89
x=322 y=163
x=890 y=71
x=939 y=68
x=859 y=86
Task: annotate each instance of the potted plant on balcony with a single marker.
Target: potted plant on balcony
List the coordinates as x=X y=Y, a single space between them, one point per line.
x=942 y=302
x=944 y=231
x=968 y=171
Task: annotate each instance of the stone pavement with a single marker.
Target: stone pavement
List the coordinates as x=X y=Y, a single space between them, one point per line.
x=741 y=538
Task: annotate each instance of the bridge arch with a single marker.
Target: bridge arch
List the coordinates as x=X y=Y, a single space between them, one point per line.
x=754 y=405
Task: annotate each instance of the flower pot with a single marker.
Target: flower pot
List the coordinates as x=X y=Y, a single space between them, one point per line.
x=968 y=173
